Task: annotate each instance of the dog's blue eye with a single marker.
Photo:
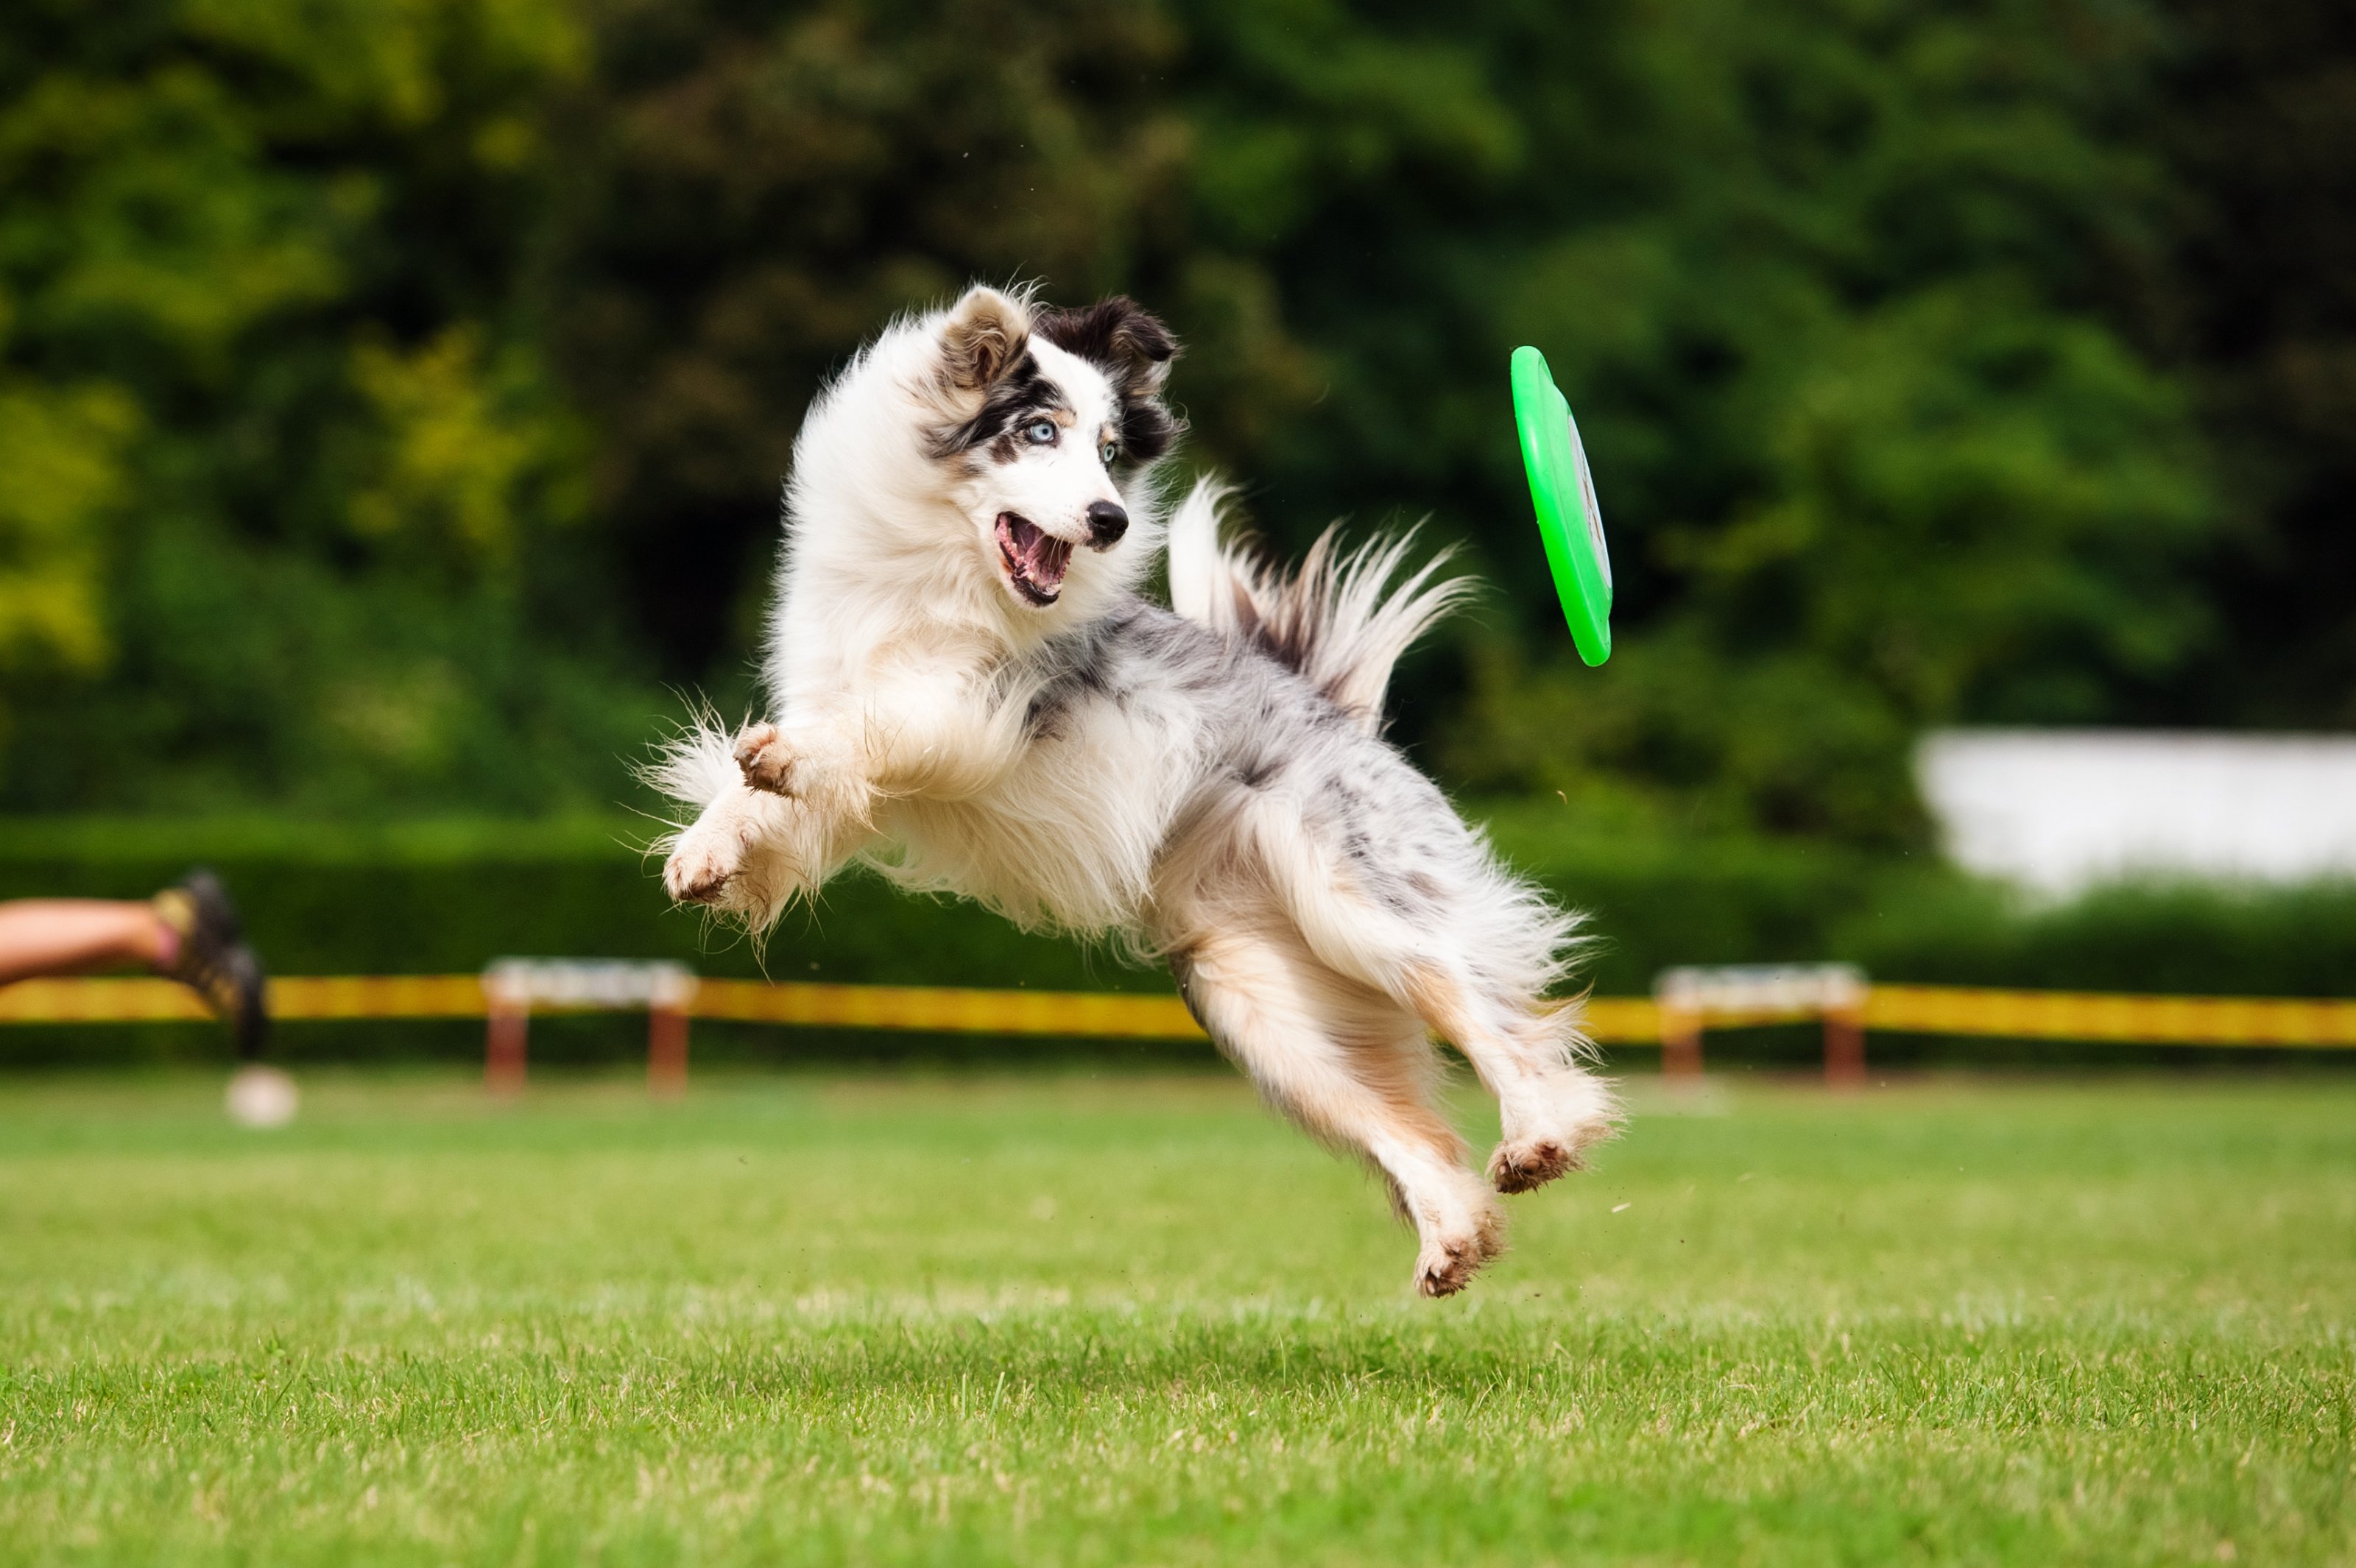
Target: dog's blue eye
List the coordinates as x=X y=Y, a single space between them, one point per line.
x=1042 y=432
x=1108 y=452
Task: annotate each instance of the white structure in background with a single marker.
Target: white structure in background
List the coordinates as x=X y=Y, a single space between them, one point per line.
x=2057 y=810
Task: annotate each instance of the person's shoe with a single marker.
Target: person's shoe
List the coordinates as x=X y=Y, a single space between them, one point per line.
x=214 y=960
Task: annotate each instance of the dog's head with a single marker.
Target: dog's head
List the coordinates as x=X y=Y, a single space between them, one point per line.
x=1049 y=421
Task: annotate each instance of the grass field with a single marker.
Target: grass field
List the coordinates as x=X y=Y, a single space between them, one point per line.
x=1133 y=1320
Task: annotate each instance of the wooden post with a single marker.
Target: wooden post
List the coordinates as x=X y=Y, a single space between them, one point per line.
x=666 y=1051
x=1844 y=1050
x=503 y=1051
x=1681 y=1045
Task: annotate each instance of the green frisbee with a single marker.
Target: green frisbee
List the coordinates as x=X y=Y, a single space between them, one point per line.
x=1564 y=493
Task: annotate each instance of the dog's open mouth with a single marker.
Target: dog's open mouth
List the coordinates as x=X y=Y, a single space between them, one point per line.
x=1036 y=560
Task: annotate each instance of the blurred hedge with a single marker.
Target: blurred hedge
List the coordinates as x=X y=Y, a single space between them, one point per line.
x=1653 y=901
x=446 y=896
x=449 y=895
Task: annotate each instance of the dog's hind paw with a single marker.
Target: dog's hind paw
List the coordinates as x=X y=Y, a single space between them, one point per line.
x=1548 y=1129
x=769 y=765
x=1447 y=1265
x=1525 y=1165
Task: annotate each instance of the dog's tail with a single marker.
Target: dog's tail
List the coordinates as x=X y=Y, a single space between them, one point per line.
x=1340 y=620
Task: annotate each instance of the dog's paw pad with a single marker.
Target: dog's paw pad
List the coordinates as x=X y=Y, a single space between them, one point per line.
x=767 y=766
x=1525 y=1165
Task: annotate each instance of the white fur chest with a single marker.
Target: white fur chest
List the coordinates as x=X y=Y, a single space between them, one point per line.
x=1066 y=832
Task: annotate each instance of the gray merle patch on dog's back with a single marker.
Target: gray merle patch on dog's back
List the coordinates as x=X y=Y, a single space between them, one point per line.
x=1134 y=351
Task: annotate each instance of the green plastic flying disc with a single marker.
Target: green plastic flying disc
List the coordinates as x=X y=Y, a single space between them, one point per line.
x=1564 y=493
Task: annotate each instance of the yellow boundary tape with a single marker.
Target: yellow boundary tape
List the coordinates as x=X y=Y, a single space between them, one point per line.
x=292 y=997
x=1621 y=1020
x=2127 y=1020
x=1613 y=1020
x=948 y=1011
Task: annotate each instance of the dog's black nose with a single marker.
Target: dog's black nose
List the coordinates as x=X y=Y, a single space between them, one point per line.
x=1107 y=523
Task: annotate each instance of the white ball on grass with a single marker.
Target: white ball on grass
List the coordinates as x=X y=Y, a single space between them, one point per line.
x=261 y=1096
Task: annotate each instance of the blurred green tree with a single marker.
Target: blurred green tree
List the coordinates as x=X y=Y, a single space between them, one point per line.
x=1826 y=283
x=758 y=188
x=2256 y=311
x=295 y=506
x=61 y=448
x=413 y=378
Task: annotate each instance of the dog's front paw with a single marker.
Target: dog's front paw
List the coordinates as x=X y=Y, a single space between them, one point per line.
x=767 y=763
x=1525 y=1165
x=699 y=869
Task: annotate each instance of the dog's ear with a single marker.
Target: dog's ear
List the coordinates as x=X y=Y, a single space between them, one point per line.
x=1120 y=335
x=1134 y=351
x=986 y=332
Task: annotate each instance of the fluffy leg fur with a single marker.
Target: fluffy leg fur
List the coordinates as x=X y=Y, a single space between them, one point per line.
x=1352 y=1068
x=1475 y=970
x=748 y=853
x=1550 y=1109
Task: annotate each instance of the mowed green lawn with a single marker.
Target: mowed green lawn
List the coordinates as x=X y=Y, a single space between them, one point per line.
x=1135 y=1320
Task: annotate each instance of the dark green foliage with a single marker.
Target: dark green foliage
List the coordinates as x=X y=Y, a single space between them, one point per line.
x=2169 y=938
x=306 y=524
x=1873 y=457
x=757 y=189
x=391 y=393
x=2258 y=311
x=1824 y=282
x=1654 y=902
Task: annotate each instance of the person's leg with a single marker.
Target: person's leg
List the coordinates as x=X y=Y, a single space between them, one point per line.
x=74 y=936
x=189 y=932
